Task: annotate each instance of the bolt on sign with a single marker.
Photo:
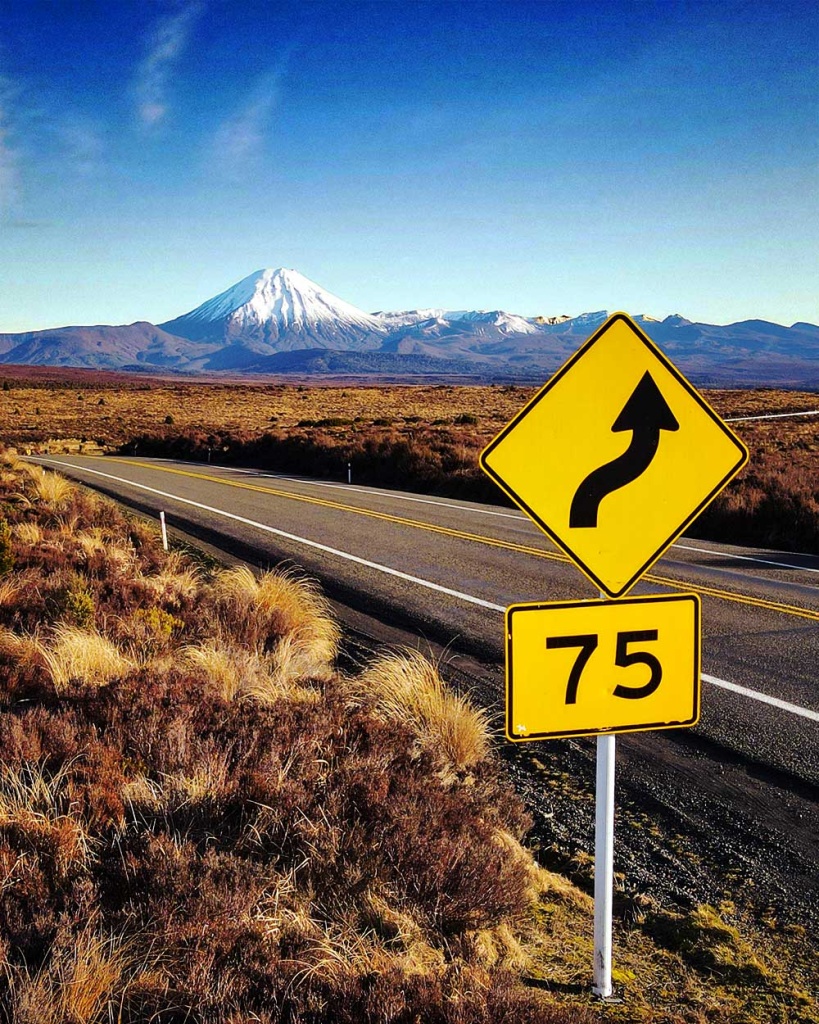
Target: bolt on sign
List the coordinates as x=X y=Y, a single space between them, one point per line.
x=615 y=455
x=575 y=668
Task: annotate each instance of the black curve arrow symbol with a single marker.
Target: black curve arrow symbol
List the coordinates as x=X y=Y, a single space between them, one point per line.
x=646 y=413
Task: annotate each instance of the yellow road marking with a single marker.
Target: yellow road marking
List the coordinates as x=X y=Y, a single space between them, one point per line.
x=726 y=595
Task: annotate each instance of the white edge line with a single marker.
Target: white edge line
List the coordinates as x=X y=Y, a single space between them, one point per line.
x=763 y=697
x=290 y=536
x=746 y=558
x=772 y=416
x=794 y=709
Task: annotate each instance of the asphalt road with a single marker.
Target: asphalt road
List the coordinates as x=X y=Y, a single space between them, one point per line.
x=449 y=566
x=444 y=570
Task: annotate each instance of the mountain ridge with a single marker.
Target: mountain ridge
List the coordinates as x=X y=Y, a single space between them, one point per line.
x=277 y=320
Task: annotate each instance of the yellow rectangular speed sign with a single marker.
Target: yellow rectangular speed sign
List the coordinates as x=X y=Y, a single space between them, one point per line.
x=577 y=668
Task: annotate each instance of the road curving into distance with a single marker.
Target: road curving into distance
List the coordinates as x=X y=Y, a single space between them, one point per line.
x=444 y=570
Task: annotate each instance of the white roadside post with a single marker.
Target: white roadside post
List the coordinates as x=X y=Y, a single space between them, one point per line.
x=603 y=865
x=164 y=531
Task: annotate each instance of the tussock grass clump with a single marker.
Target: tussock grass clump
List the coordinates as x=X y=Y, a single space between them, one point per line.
x=176 y=582
x=24 y=649
x=36 y=809
x=406 y=687
x=47 y=487
x=230 y=672
x=82 y=656
x=28 y=534
x=9 y=591
x=277 y=606
x=84 y=980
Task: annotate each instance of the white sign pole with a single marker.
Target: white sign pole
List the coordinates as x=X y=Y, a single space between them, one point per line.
x=603 y=865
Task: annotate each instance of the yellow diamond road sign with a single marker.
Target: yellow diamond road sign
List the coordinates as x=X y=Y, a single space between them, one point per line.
x=575 y=668
x=615 y=455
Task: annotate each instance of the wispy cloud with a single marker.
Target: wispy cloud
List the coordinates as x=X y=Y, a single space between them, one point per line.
x=38 y=139
x=80 y=144
x=9 y=156
x=239 y=141
x=167 y=43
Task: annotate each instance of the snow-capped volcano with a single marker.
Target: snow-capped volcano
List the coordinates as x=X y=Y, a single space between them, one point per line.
x=278 y=310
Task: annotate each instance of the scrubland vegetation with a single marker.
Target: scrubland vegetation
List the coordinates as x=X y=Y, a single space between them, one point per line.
x=422 y=437
x=203 y=819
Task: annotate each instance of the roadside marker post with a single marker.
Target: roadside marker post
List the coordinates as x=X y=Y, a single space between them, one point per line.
x=164 y=531
x=613 y=504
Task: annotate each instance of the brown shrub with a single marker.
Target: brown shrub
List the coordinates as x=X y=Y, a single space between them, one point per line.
x=222 y=829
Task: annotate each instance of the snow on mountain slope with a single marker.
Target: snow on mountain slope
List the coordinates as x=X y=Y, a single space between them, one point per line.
x=277 y=310
x=507 y=323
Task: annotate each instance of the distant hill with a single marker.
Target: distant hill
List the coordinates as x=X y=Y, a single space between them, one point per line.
x=100 y=347
x=277 y=321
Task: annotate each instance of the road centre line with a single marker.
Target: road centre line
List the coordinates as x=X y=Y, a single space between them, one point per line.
x=385 y=494
x=388 y=570
x=472 y=509
x=726 y=595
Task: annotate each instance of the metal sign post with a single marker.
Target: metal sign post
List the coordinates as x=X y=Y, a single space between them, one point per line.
x=603 y=862
x=603 y=865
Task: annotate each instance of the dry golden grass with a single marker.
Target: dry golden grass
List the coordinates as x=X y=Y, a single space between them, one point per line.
x=24 y=649
x=32 y=790
x=48 y=487
x=38 y=804
x=276 y=606
x=239 y=673
x=406 y=687
x=210 y=782
x=29 y=534
x=229 y=671
x=10 y=587
x=93 y=541
x=177 y=580
x=83 y=984
x=84 y=656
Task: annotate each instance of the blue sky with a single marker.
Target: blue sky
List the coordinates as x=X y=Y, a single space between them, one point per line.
x=542 y=158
